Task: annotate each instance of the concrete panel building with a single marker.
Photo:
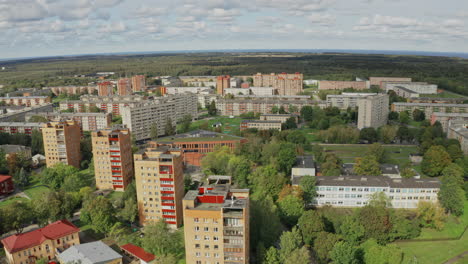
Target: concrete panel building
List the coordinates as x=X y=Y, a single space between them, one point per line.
x=140 y=117
x=278 y=117
x=124 y=87
x=437 y=100
x=458 y=129
x=26 y=100
x=62 y=143
x=222 y=82
x=304 y=167
x=138 y=83
x=42 y=243
x=91 y=89
x=237 y=91
x=444 y=118
x=429 y=108
x=261 y=91
x=105 y=89
x=283 y=83
x=159 y=181
x=216 y=223
x=261 y=124
x=107 y=104
x=341 y=85
x=113 y=159
x=188 y=89
x=19 y=127
x=263 y=105
x=345 y=100
x=356 y=191
x=416 y=87
x=378 y=80
x=19 y=114
x=405 y=92
x=373 y=111
x=86 y=121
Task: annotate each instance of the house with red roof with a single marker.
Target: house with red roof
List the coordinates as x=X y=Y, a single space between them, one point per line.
x=41 y=243
x=137 y=252
x=6 y=185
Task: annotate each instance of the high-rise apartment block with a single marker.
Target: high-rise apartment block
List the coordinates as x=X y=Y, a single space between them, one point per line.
x=373 y=111
x=138 y=83
x=222 y=82
x=62 y=143
x=113 y=160
x=159 y=181
x=284 y=83
x=105 y=89
x=124 y=87
x=216 y=223
x=86 y=121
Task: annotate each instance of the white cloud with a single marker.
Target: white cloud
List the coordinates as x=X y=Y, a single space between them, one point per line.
x=321 y=19
x=113 y=27
x=145 y=11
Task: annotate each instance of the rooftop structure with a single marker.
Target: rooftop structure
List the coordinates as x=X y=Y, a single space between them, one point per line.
x=6 y=185
x=90 y=253
x=305 y=166
x=261 y=124
x=138 y=252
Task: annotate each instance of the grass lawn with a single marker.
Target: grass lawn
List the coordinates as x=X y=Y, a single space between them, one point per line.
x=439 y=251
x=12 y=200
x=395 y=154
x=311 y=134
x=444 y=94
x=230 y=125
x=463 y=260
x=115 y=195
x=35 y=191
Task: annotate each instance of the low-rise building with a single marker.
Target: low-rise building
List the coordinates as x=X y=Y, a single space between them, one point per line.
x=415 y=87
x=26 y=100
x=458 y=129
x=444 y=118
x=236 y=91
x=262 y=91
x=305 y=166
x=186 y=89
x=437 y=100
x=6 y=185
x=90 y=253
x=261 y=124
x=107 y=104
x=405 y=92
x=378 y=80
x=19 y=115
x=16 y=149
x=216 y=223
x=91 y=89
x=429 y=108
x=196 y=144
x=341 y=85
x=356 y=191
x=19 y=127
x=136 y=252
x=86 y=121
x=279 y=117
x=41 y=243
x=260 y=104
x=345 y=100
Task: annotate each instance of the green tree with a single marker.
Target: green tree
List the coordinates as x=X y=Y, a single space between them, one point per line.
x=435 y=160
x=185 y=123
x=212 y=111
x=38 y=119
x=272 y=256
x=377 y=254
x=159 y=241
x=274 y=109
x=17 y=215
x=418 y=115
x=267 y=181
x=408 y=173
x=307 y=113
x=21 y=178
x=403 y=133
x=345 y=253
x=311 y=223
x=37 y=144
x=376 y=220
x=291 y=208
x=323 y=246
x=376 y=150
x=281 y=110
x=393 y=115
x=130 y=210
x=54 y=206
x=239 y=168
x=99 y=213
x=290 y=123
x=3 y=162
x=404 y=117
x=331 y=166
x=431 y=215
x=289 y=241
x=369 y=134
x=455 y=152
x=216 y=162
x=301 y=255
x=352 y=230
x=169 y=128
x=55 y=176
x=307 y=184
x=296 y=137
x=265 y=224
x=367 y=165
x=286 y=159
x=94 y=109
x=451 y=194
x=388 y=133
x=154 y=131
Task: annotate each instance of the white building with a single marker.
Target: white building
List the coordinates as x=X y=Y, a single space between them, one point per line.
x=305 y=166
x=417 y=87
x=237 y=91
x=184 y=89
x=262 y=91
x=373 y=111
x=345 y=100
x=356 y=191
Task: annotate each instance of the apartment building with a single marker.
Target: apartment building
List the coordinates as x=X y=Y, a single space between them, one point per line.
x=458 y=129
x=373 y=111
x=187 y=80
x=62 y=143
x=378 y=80
x=416 y=87
x=262 y=91
x=222 y=82
x=105 y=89
x=91 y=89
x=45 y=91
x=356 y=191
x=124 y=87
x=42 y=243
x=263 y=105
x=237 y=91
x=216 y=223
x=138 y=83
x=19 y=114
x=26 y=100
x=341 y=85
x=405 y=92
x=261 y=124
x=159 y=181
x=444 y=118
x=437 y=100
x=429 y=108
x=188 y=89
x=283 y=83
x=113 y=160
x=19 y=127
x=345 y=100
x=141 y=117
x=196 y=144
x=6 y=185
x=279 y=117
x=110 y=104
x=86 y=121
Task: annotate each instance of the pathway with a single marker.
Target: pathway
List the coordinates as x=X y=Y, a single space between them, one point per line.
x=456 y=258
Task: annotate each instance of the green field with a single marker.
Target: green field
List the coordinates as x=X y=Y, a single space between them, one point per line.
x=394 y=154
x=12 y=200
x=444 y=94
x=230 y=125
x=311 y=134
x=434 y=252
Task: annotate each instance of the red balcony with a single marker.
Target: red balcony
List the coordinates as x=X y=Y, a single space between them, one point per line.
x=168 y=204
x=169 y=216
x=166 y=179
x=168 y=210
x=167 y=185
x=167 y=198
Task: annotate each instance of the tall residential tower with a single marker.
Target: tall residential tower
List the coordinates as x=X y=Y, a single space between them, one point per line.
x=62 y=143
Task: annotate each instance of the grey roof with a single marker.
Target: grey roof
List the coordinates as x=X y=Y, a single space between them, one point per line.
x=376 y=181
x=304 y=162
x=14 y=148
x=406 y=89
x=90 y=253
x=430 y=104
x=389 y=169
x=262 y=121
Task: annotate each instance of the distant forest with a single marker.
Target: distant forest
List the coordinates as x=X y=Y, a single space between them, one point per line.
x=449 y=73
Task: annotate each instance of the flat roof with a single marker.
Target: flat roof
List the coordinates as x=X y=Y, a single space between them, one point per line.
x=430 y=104
x=376 y=181
x=406 y=89
x=262 y=121
x=304 y=162
x=198 y=135
x=21 y=124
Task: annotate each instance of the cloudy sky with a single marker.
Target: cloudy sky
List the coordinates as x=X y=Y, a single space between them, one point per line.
x=59 y=27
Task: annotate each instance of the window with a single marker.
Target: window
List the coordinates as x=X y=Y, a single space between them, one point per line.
x=196 y=220
x=207 y=254
x=207 y=238
x=207 y=246
x=215 y=246
x=198 y=254
x=199 y=262
x=215 y=238
x=215 y=229
x=197 y=237
x=216 y=255
x=197 y=228
x=206 y=229
x=197 y=245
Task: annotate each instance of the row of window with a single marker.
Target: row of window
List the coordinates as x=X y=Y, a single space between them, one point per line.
x=207 y=238
x=206 y=229
x=375 y=189
x=205 y=220
x=207 y=255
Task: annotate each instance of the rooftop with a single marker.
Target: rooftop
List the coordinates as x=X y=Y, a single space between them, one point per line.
x=262 y=121
x=20 y=124
x=14 y=148
x=304 y=162
x=30 y=239
x=406 y=89
x=430 y=104
x=450 y=114
x=4 y=177
x=198 y=135
x=138 y=252
x=89 y=253
x=376 y=181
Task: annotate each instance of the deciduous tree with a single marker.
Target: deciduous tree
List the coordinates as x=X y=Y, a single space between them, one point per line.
x=435 y=160
x=311 y=224
x=291 y=208
x=367 y=165
x=323 y=246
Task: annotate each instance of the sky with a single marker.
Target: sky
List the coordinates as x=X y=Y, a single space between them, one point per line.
x=35 y=28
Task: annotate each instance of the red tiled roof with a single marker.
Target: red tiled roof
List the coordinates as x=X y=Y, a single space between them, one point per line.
x=4 y=177
x=138 y=252
x=34 y=238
